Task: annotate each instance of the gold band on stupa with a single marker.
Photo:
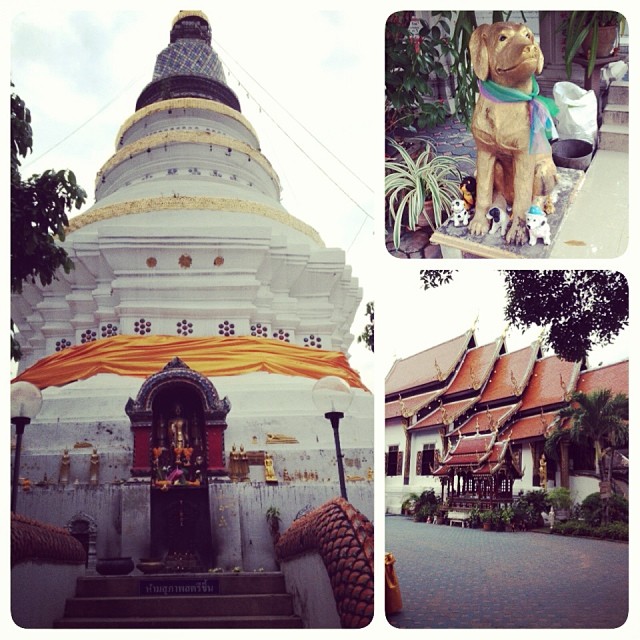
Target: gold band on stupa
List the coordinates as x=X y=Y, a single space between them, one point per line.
x=190 y=203
x=183 y=103
x=158 y=140
x=186 y=14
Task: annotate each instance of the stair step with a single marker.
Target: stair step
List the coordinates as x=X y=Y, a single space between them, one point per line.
x=614 y=137
x=616 y=114
x=182 y=606
x=174 y=601
x=618 y=92
x=225 y=583
x=218 y=622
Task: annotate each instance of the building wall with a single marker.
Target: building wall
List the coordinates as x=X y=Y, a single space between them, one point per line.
x=237 y=514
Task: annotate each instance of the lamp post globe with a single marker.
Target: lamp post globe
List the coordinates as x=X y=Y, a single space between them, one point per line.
x=333 y=396
x=26 y=402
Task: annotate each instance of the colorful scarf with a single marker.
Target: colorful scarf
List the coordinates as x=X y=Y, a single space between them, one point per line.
x=541 y=110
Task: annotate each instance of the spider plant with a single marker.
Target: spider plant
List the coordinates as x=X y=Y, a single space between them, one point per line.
x=410 y=183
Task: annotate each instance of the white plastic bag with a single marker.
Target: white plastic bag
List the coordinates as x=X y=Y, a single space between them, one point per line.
x=578 y=112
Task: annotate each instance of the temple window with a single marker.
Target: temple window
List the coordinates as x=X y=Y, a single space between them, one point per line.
x=393 y=462
x=426 y=460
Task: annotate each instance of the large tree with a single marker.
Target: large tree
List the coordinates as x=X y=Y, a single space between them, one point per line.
x=367 y=334
x=39 y=208
x=579 y=309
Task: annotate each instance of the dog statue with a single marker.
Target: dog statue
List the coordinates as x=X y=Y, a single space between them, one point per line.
x=511 y=125
x=499 y=216
x=459 y=213
x=538 y=226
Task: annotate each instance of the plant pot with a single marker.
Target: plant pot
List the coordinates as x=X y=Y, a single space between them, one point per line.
x=607 y=37
x=486 y=526
x=572 y=153
x=114 y=566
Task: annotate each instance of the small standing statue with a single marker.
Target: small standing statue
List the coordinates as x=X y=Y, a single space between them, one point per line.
x=234 y=467
x=543 y=472
x=65 y=467
x=94 y=468
x=243 y=465
x=177 y=427
x=269 y=473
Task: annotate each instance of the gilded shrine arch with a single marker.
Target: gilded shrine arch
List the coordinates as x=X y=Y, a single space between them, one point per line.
x=178 y=422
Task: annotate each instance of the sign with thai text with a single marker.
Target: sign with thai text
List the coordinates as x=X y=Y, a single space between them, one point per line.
x=180 y=587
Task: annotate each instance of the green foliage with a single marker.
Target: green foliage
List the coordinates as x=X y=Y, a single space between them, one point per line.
x=366 y=336
x=579 y=308
x=592 y=509
x=528 y=507
x=560 y=498
x=434 y=278
x=580 y=25
x=39 y=208
x=409 y=182
x=612 y=531
x=410 y=62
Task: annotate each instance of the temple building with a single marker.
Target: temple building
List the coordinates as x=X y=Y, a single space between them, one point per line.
x=178 y=360
x=469 y=421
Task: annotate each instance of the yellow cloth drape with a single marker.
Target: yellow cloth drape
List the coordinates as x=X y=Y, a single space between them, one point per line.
x=219 y=356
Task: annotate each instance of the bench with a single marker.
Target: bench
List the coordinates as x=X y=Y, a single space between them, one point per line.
x=458 y=517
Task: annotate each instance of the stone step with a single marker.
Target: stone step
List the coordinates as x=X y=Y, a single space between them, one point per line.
x=180 y=606
x=614 y=137
x=223 y=583
x=618 y=92
x=173 y=601
x=218 y=622
x=616 y=114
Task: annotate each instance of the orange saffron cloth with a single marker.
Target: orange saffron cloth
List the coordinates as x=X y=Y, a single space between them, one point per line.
x=143 y=356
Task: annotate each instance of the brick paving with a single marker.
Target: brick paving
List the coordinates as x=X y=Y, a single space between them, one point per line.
x=451 y=577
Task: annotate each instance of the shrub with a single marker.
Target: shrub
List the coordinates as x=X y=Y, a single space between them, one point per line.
x=592 y=508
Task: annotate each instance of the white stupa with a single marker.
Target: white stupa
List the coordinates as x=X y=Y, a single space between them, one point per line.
x=188 y=254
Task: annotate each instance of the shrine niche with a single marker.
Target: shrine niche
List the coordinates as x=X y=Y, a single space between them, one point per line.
x=178 y=422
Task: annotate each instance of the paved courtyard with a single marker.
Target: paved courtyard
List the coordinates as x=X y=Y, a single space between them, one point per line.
x=471 y=579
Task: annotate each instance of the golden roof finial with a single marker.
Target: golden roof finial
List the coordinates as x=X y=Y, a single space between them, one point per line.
x=474 y=379
x=186 y=14
x=563 y=386
x=516 y=387
x=438 y=370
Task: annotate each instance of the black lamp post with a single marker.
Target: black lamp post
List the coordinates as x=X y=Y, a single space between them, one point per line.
x=333 y=396
x=26 y=401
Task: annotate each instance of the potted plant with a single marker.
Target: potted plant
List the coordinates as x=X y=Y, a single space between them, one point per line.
x=507 y=516
x=560 y=499
x=486 y=517
x=419 y=189
x=474 y=517
x=592 y=33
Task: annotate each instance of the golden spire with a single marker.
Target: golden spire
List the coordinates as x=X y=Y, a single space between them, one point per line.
x=186 y=14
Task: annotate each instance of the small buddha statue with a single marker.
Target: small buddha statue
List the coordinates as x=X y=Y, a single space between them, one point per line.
x=269 y=473
x=94 y=468
x=177 y=428
x=543 y=471
x=65 y=467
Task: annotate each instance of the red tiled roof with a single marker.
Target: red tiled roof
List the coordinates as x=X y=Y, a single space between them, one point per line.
x=484 y=420
x=475 y=368
x=614 y=377
x=344 y=539
x=409 y=406
x=551 y=382
x=444 y=414
x=510 y=374
x=429 y=366
x=529 y=427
